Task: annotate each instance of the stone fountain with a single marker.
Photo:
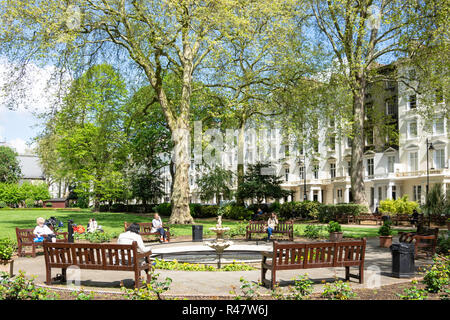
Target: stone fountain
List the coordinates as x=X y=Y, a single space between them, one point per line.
x=219 y=244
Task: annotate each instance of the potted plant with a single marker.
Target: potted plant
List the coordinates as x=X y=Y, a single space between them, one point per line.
x=335 y=230
x=7 y=248
x=385 y=233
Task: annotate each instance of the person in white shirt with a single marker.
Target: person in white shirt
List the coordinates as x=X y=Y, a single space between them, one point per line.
x=132 y=234
x=92 y=225
x=157 y=226
x=41 y=230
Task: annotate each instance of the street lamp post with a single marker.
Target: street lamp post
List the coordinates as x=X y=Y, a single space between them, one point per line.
x=430 y=148
x=303 y=163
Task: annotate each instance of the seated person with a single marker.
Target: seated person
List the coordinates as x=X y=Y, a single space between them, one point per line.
x=271 y=224
x=258 y=214
x=132 y=234
x=93 y=226
x=157 y=226
x=43 y=231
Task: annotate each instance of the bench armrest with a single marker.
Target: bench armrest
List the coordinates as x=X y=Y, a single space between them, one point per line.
x=144 y=254
x=267 y=254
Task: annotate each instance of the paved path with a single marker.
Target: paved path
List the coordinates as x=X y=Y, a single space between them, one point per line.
x=220 y=283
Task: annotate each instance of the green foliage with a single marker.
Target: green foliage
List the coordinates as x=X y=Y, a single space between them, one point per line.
x=443 y=245
x=261 y=185
x=149 y=291
x=175 y=265
x=21 y=288
x=164 y=209
x=386 y=229
x=338 y=290
x=49 y=204
x=413 y=293
x=239 y=229
x=216 y=182
x=235 y=212
x=313 y=231
x=82 y=295
x=299 y=210
x=328 y=212
x=437 y=277
x=3 y=204
x=96 y=237
x=7 y=248
x=437 y=202
x=249 y=290
x=27 y=193
x=302 y=289
x=398 y=206
x=10 y=171
x=334 y=226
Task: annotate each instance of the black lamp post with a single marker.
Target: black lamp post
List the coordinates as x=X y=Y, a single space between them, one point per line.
x=303 y=163
x=430 y=148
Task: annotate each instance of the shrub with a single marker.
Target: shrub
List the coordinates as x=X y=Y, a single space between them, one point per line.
x=398 y=206
x=299 y=210
x=438 y=276
x=443 y=245
x=249 y=290
x=385 y=229
x=7 y=248
x=236 y=212
x=3 y=205
x=195 y=209
x=303 y=287
x=21 y=288
x=149 y=291
x=330 y=212
x=338 y=290
x=313 y=231
x=334 y=226
x=164 y=209
x=413 y=293
x=29 y=203
x=98 y=236
x=49 y=204
x=238 y=230
x=208 y=211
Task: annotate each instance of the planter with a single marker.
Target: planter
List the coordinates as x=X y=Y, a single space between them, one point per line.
x=336 y=236
x=6 y=263
x=385 y=241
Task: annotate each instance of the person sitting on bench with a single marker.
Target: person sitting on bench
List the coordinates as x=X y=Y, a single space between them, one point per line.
x=157 y=226
x=132 y=234
x=42 y=231
x=271 y=224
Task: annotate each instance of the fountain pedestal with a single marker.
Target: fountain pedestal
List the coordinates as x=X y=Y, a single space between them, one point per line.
x=219 y=244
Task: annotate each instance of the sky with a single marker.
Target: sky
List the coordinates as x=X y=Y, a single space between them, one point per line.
x=18 y=127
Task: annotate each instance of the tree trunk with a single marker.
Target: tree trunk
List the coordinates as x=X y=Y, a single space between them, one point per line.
x=240 y=166
x=357 y=165
x=180 y=192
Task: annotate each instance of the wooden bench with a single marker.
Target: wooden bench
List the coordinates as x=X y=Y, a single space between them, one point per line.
x=369 y=217
x=104 y=256
x=25 y=238
x=426 y=240
x=283 y=227
x=401 y=218
x=290 y=256
x=145 y=229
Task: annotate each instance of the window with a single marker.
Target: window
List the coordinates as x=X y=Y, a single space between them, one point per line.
x=439 y=95
x=412 y=129
x=438 y=127
x=370 y=167
x=302 y=172
x=286 y=151
x=390 y=166
x=332 y=143
x=413 y=161
x=300 y=148
x=394 y=192
x=339 y=193
x=333 y=170
x=369 y=137
x=439 y=158
x=316 y=146
x=389 y=84
x=412 y=101
x=390 y=106
x=417 y=193
x=349 y=142
x=349 y=168
x=286 y=174
x=316 y=171
x=332 y=124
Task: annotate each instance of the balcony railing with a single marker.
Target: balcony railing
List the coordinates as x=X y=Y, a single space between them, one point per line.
x=420 y=173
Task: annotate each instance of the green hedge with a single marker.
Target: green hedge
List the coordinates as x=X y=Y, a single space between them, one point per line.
x=236 y=212
x=300 y=210
x=398 y=206
x=329 y=212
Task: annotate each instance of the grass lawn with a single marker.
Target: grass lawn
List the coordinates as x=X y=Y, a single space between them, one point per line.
x=113 y=222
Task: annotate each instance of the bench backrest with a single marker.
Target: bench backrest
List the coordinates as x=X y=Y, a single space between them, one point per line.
x=282 y=226
x=91 y=256
x=144 y=227
x=25 y=236
x=318 y=254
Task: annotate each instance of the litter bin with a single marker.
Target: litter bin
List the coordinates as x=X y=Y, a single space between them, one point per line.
x=197 y=233
x=403 y=260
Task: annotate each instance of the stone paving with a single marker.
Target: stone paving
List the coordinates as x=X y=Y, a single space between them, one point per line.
x=190 y=283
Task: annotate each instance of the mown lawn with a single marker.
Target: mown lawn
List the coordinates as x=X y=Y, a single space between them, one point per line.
x=113 y=222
